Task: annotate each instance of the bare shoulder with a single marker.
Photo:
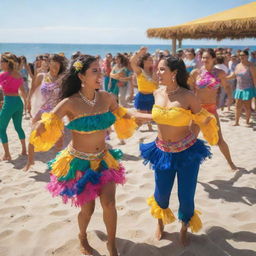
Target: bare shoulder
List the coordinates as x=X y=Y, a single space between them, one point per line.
x=220 y=73
x=189 y=96
x=252 y=67
x=160 y=90
x=105 y=96
x=194 y=72
x=40 y=76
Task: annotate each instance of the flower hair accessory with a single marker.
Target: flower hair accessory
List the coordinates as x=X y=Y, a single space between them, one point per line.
x=78 y=65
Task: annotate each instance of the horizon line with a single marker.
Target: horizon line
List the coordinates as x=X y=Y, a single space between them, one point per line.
x=126 y=44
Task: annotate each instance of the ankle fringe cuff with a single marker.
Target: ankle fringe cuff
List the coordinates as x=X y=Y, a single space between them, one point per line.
x=195 y=223
x=157 y=212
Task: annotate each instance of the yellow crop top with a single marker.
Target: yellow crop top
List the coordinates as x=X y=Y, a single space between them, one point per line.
x=145 y=85
x=176 y=116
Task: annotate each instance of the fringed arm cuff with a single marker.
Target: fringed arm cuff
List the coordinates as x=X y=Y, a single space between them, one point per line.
x=208 y=127
x=124 y=127
x=53 y=131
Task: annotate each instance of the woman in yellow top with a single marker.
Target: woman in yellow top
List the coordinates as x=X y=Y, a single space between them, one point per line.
x=142 y=65
x=85 y=169
x=176 y=149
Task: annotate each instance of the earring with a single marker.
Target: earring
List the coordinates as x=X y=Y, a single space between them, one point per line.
x=173 y=78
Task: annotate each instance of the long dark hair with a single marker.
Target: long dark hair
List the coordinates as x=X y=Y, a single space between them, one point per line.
x=142 y=59
x=71 y=83
x=61 y=60
x=11 y=59
x=123 y=60
x=174 y=63
x=211 y=52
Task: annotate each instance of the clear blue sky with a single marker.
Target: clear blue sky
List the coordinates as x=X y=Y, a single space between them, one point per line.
x=103 y=21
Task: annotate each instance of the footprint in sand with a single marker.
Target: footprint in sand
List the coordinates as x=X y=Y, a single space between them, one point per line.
x=59 y=213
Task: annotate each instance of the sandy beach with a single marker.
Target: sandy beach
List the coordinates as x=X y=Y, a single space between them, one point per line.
x=32 y=223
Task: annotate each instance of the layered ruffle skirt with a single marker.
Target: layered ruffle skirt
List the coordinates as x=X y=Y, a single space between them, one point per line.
x=245 y=94
x=79 y=177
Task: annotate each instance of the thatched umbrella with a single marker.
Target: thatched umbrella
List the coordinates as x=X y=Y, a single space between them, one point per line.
x=235 y=23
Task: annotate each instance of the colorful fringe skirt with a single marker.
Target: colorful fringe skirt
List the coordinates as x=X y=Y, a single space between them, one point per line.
x=78 y=177
x=144 y=101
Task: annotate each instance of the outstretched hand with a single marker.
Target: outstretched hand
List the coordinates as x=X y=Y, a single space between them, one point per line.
x=39 y=127
x=143 y=50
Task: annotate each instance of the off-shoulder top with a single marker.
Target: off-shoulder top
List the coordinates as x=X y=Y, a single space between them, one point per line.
x=84 y=124
x=177 y=116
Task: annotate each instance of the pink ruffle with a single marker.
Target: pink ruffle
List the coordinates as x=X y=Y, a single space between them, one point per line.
x=91 y=191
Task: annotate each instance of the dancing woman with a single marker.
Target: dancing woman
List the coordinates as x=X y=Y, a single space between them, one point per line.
x=11 y=82
x=47 y=98
x=176 y=149
x=142 y=65
x=245 y=73
x=206 y=81
x=86 y=169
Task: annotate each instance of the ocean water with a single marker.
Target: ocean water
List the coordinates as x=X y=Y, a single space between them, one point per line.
x=32 y=50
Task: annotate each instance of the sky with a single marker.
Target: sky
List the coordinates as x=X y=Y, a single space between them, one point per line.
x=103 y=21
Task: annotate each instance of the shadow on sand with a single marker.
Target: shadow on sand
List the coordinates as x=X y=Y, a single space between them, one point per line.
x=214 y=243
x=225 y=189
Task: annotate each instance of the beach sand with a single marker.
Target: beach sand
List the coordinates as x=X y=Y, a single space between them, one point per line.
x=34 y=224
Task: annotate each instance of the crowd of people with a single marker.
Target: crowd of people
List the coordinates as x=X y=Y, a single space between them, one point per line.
x=180 y=94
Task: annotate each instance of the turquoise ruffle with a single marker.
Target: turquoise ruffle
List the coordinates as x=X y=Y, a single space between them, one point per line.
x=245 y=94
x=83 y=165
x=92 y=123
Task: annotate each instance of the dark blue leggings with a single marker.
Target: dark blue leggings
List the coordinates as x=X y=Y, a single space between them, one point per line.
x=187 y=180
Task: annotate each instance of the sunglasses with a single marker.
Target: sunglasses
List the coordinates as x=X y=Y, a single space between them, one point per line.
x=242 y=55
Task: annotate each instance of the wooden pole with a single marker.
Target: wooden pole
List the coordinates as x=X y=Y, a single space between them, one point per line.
x=180 y=43
x=173 y=46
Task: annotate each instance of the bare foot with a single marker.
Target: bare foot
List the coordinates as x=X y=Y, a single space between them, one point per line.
x=233 y=166
x=85 y=248
x=159 y=230
x=184 y=236
x=236 y=124
x=6 y=157
x=112 y=249
x=28 y=165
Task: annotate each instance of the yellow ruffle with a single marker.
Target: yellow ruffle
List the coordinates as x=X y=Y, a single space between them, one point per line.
x=195 y=223
x=157 y=212
x=120 y=112
x=62 y=164
x=208 y=128
x=125 y=128
x=53 y=131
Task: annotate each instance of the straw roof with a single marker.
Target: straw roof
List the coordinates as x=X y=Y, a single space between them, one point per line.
x=235 y=23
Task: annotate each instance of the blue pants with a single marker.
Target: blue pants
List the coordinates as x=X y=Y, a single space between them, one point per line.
x=187 y=180
x=12 y=109
x=166 y=164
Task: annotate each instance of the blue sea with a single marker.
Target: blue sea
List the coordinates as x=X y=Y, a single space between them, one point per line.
x=32 y=50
